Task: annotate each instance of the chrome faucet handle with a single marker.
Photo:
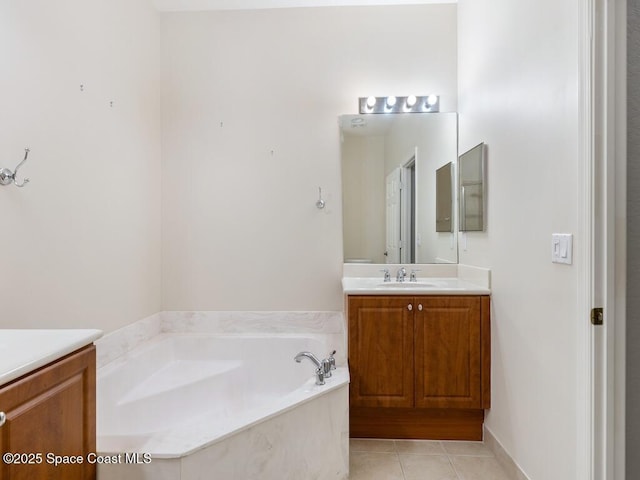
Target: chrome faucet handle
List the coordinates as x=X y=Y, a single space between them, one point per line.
x=332 y=360
x=326 y=368
x=320 y=376
x=412 y=277
x=387 y=275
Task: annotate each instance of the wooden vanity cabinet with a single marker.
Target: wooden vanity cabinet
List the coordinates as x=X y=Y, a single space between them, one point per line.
x=419 y=366
x=51 y=411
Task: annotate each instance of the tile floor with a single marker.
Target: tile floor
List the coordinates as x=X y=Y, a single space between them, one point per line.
x=422 y=460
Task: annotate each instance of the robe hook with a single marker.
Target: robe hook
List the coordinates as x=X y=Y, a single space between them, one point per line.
x=320 y=203
x=7 y=176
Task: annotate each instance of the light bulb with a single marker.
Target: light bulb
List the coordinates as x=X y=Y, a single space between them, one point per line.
x=391 y=101
x=432 y=100
x=371 y=101
x=411 y=101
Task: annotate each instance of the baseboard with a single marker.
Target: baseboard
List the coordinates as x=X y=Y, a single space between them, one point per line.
x=506 y=462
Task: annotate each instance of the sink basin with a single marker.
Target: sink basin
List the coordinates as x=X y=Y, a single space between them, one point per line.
x=406 y=285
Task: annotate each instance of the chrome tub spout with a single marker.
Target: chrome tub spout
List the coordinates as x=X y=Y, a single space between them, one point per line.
x=320 y=371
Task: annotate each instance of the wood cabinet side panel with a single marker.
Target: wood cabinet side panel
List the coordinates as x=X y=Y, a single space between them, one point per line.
x=486 y=350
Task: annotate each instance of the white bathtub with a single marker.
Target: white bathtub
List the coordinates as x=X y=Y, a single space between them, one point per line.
x=184 y=399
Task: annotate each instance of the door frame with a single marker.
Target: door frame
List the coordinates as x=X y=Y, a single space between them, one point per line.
x=601 y=205
x=408 y=208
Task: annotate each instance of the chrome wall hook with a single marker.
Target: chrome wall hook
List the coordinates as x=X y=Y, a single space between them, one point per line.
x=7 y=176
x=320 y=203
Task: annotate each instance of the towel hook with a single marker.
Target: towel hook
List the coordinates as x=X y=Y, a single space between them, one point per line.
x=7 y=176
x=320 y=203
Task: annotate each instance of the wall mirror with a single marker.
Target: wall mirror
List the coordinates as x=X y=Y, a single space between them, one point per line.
x=390 y=166
x=471 y=175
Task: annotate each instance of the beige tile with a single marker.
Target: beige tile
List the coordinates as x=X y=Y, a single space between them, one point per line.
x=422 y=447
x=476 y=449
x=374 y=466
x=371 y=445
x=432 y=467
x=478 y=468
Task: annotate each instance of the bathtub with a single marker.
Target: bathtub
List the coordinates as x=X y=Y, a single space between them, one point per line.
x=207 y=405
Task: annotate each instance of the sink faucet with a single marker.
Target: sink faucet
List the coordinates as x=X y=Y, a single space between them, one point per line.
x=387 y=275
x=402 y=273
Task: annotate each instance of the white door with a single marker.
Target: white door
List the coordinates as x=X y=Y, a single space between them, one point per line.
x=393 y=242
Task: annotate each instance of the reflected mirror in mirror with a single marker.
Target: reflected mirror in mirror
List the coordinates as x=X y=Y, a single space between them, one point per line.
x=444 y=198
x=471 y=189
x=389 y=171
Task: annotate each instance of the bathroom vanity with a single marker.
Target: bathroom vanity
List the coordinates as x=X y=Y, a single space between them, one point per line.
x=47 y=404
x=419 y=358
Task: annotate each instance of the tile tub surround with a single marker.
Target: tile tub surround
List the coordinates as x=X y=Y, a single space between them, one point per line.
x=284 y=441
x=330 y=325
x=423 y=459
x=285 y=447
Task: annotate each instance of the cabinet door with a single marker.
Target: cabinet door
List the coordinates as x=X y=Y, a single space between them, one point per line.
x=381 y=351
x=51 y=411
x=448 y=352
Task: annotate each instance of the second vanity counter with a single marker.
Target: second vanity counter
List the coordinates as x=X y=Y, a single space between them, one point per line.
x=25 y=350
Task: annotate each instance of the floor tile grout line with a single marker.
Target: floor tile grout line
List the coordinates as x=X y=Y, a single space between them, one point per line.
x=455 y=470
x=395 y=447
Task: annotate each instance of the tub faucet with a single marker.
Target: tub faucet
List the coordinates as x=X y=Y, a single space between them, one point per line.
x=320 y=368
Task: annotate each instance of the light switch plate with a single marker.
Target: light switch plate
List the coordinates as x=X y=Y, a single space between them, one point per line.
x=562 y=248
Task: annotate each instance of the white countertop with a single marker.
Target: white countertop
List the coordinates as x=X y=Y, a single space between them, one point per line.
x=423 y=286
x=24 y=350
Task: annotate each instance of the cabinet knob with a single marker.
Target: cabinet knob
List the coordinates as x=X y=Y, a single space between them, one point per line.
x=409 y=307
x=3 y=418
x=420 y=306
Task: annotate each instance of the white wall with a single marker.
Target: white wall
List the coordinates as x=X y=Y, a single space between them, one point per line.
x=518 y=92
x=250 y=107
x=80 y=243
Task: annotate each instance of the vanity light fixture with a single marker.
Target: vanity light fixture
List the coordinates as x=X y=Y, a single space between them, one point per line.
x=392 y=104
